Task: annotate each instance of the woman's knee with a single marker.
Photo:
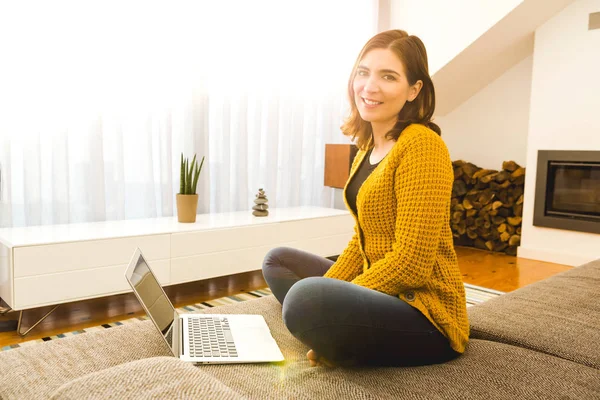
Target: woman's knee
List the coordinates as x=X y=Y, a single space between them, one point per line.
x=306 y=303
x=274 y=259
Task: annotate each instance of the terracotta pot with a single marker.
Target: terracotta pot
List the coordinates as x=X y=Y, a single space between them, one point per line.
x=187 y=205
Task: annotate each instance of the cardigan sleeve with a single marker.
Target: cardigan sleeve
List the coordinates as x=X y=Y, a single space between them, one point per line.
x=422 y=186
x=350 y=263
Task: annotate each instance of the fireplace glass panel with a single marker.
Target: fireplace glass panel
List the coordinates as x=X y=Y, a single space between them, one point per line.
x=573 y=190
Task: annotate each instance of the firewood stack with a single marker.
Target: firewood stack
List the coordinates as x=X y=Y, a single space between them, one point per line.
x=487 y=206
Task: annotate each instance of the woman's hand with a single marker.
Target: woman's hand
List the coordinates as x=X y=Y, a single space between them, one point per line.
x=316 y=360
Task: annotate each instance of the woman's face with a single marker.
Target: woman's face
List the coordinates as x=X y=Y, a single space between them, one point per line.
x=381 y=87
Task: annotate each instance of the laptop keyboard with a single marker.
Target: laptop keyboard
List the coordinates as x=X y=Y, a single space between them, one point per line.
x=210 y=337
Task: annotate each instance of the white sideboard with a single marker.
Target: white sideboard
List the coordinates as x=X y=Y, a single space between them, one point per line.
x=54 y=264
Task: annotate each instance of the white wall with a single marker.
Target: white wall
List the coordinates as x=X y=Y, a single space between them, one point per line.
x=491 y=127
x=565 y=104
x=447 y=27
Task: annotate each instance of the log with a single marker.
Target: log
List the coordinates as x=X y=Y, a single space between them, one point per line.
x=486 y=196
x=504 y=185
x=520 y=180
x=459 y=188
x=503 y=212
x=497 y=220
x=488 y=178
x=520 y=200
x=514 y=240
x=457 y=216
x=511 y=250
x=503 y=197
x=458 y=173
x=500 y=246
x=502 y=176
x=510 y=166
x=517 y=191
x=467 y=204
x=480 y=185
x=518 y=210
x=514 y=221
x=469 y=169
x=517 y=173
x=480 y=244
x=483 y=172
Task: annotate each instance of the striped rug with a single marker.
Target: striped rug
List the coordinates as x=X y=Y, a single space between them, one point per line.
x=475 y=295
x=478 y=294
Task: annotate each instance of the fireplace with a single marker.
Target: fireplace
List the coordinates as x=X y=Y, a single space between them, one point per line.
x=567 y=194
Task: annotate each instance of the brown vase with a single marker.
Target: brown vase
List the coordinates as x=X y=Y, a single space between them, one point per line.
x=187 y=205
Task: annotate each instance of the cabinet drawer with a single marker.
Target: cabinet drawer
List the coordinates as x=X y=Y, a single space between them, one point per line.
x=202 y=242
x=76 y=256
x=64 y=287
x=205 y=266
x=210 y=265
x=323 y=246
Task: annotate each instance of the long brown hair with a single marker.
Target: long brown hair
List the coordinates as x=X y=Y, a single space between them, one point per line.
x=411 y=52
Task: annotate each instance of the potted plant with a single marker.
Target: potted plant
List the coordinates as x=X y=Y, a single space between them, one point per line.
x=187 y=199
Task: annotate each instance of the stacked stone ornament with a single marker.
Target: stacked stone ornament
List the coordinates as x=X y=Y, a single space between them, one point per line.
x=261 y=207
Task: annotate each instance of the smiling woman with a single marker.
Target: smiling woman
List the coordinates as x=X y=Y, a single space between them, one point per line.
x=381 y=88
x=395 y=294
x=100 y=98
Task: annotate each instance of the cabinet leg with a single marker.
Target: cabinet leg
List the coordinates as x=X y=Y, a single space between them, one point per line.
x=23 y=334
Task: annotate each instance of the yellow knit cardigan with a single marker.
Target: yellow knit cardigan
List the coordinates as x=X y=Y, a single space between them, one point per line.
x=402 y=244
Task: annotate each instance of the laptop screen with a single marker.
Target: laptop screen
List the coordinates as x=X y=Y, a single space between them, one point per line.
x=152 y=297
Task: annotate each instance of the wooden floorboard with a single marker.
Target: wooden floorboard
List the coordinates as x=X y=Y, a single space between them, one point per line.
x=479 y=267
x=502 y=272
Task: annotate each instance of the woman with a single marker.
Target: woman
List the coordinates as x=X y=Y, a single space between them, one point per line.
x=395 y=295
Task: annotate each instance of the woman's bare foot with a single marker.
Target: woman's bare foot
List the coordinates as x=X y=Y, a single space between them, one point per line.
x=316 y=360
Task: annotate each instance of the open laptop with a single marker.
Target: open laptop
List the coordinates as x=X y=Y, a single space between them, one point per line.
x=201 y=338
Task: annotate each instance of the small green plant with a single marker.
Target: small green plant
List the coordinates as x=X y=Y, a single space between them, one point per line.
x=189 y=175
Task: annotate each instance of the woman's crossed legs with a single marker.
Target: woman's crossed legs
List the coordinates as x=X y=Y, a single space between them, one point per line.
x=346 y=323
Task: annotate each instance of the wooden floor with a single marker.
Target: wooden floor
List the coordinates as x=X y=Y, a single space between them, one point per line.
x=482 y=268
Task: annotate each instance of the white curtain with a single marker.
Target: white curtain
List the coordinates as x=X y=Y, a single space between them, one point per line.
x=99 y=99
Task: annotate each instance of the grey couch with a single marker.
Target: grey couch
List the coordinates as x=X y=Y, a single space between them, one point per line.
x=539 y=342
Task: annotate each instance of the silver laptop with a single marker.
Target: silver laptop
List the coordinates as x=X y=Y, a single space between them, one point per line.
x=201 y=338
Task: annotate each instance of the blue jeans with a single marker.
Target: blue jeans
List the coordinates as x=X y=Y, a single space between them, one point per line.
x=348 y=323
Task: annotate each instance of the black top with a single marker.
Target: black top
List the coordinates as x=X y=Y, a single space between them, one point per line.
x=359 y=177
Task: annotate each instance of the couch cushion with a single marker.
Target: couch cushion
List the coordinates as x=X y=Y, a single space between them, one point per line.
x=559 y=316
x=151 y=378
x=34 y=372
x=486 y=370
x=489 y=370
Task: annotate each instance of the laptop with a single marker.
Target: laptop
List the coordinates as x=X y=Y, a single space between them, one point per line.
x=201 y=338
